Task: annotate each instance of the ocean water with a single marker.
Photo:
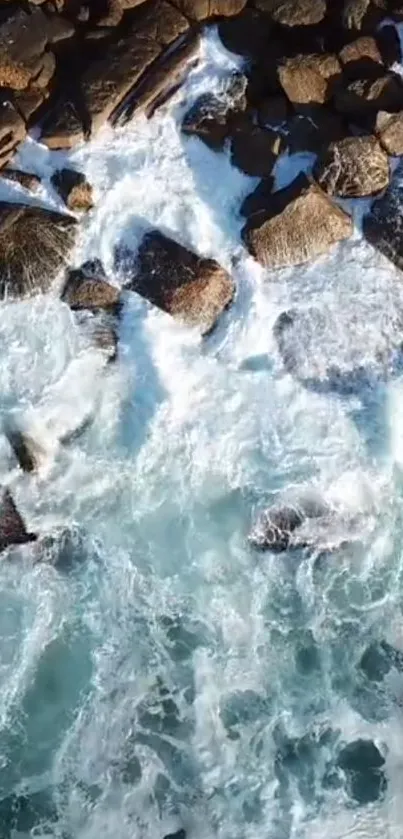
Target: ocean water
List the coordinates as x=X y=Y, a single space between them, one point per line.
x=172 y=677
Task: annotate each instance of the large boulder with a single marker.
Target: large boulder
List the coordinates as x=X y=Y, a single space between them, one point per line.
x=309 y=79
x=300 y=223
x=246 y=34
x=190 y=288
x=361 y=58
x=353 y=168
x=255 y=150
x=294 y=12
x=202 y=9
x=310 y=133
x=24 y=38
x=87 y=288
x=106 y=81
x=362 y=763
x=12 y=527
x=12 y=130
x=383 y=225
x=212 y=116
x=27 y=451
x=34 y=245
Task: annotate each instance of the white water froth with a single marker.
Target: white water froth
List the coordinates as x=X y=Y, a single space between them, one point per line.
x=190 y=439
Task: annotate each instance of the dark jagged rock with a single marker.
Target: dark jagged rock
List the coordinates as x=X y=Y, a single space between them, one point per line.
x=190 y=288
x=211 y=117
x=275 y=528
x=300 y=224
x=12 y=527
x=361 y=15
x=73 y=188
x=64 y=548
x=258 y=200
x=378 y=659
x=247 y=34
x=310 y=133
x=26 y=450
x=273 y=111
x=87 y=288
x=362 y=762
x=383 y=225
x=309 y=79
x=353 y=168
x=365 y=97
x=34 y=245
x=12 y=130
x=361 y=59
x=179 y=834
x=26 y=179
x=63 y=127
x=255 y=150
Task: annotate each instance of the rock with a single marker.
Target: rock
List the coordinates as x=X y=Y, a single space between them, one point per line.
x=63 y=127
x=362 y=762
x=24 y=38
x=388 y=42
x=179 y=834
x=27 y=103
x=64 y=548
x=105 y=338
x=254 y=150
x=26 y=179
x=87 y=288
x=309 y=79
x=310 y=133
x=258 y=200
x=74 y=189
x=190 y=288
x=389 y=130
x=12 y=527
x=273 y=111
x=45 y=74
x=294 y=12
x=355 y=167
x=378 y=659
x=275 y=527
x=28 y=452
x=365 y=97
x=383 y=225
x=25 y=267
x=247 y=34
x=301 y=224
x=210 y=118
x=203 y=9
x=12 y=130
x=361 y=59
x=360 y=15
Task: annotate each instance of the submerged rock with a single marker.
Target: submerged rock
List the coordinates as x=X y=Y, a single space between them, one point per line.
x=74 y=189
x=378 y=659
x=275 y=527
x=28 y=180
x=179 y=834
x=355 y=167
x=27 y=451
x=211 y=117
x=299 y=224
x=34 y=245
x=12 y=526
x=192 y=289
x=362 y=762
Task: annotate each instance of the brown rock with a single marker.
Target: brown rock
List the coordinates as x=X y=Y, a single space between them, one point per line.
x=361 y=58
x=203 y=9
x=389 y=130
x=190 y=288
x=303 y=224
x=34 y=245
x=62 y=127
x=211 y=117
x=361 y=15
x=12 y=526
x=309 y=79
x=46 y=72
x=26 y=179
x=353 y=168
x=87 y=288
x=364 y=97
x=24 y=37
x=294 y=12
x=255 y=150
x=389 y=45
x=113 y=14
x=74 y=189
x=382 y=226
x=105 y=338
x=27 y=102
x=12 y=130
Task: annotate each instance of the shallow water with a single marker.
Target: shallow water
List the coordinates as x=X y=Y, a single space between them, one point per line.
x=173 y=677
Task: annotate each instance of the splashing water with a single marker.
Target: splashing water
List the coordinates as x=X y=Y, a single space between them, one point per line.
x=175 y=678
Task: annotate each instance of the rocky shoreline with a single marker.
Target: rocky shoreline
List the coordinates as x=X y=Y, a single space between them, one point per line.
x=318 y=76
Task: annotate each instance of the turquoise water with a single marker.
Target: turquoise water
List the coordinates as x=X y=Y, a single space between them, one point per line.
x=172 y=677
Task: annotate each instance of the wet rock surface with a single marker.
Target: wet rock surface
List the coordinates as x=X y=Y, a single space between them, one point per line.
x=192 y=289
x=383 y=225
x=74 y=189
x=353 y=168
x=12 y=527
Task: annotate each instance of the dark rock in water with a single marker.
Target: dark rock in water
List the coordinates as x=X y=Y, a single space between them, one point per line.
x=26 y=179
x=259 y=200
x=255 y=150
x=64 y=548
x=74 y=189
x=363 y=98
x=211 y=117
x=311 y=132
x=87 y=288
x=383 y=225
x=362 y=762
x=12 y=527
x=378 y=659
x=283 y=333
x=274 y=528
x=27 y=451
x=359 y=756
x=355 y=167
x=26 y=267
x=246 y=34
x=192 y=289
x=299 y=224
x=361 y=59
x=12 y=130
x=179 y=834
